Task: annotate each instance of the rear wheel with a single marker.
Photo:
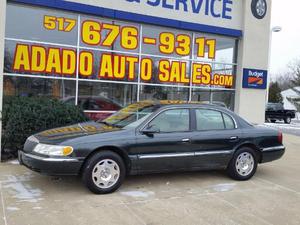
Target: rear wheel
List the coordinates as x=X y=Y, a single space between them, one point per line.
x=288 y=120
x=243 y=164
x=104 y=172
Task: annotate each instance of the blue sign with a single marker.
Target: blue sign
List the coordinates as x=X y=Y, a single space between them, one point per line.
x=253 y=78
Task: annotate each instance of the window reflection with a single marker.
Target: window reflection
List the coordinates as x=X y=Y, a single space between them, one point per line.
x=148 y=92
x=26 y=22
x=37 y=87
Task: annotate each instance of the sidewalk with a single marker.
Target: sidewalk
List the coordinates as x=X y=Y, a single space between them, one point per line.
x=272 y=196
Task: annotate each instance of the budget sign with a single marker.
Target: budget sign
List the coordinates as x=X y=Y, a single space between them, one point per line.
x=253 y=78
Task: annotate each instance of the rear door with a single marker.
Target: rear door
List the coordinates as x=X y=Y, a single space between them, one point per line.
x=169 y=149
x=215 y=136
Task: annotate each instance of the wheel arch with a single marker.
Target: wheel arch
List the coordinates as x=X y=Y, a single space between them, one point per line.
x=252 y=146
x=119 y=151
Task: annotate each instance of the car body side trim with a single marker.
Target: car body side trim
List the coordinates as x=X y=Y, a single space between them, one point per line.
x=213 y=152
x=51 y=159
x=165 y=155
x=275 y=148
x=186 y=154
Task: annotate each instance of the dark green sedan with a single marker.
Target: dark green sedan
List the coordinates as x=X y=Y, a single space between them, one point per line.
x=153 y=137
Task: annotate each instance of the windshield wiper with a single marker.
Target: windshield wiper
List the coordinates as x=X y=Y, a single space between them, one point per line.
x=109 y=124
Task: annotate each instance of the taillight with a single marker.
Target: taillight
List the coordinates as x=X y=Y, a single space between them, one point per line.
x=280 y=137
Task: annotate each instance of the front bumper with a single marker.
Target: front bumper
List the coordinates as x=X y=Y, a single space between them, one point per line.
x=272 y=153
x=50 y=165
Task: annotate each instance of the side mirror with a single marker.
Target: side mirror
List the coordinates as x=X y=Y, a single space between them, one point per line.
x=150 y=130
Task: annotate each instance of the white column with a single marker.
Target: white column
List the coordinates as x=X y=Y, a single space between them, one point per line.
x=2 y=35
x=253 y=53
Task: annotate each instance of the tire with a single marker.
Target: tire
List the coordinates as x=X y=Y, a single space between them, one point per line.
x=235 y=167
x=104 y=172
x=287 y=120
x=273 y=121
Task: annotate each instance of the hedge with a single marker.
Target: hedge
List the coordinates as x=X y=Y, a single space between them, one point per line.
x=24 y=116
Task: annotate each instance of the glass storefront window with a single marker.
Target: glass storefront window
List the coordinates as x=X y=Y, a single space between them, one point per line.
x=109 y=34
x=99 y=65
x=38 y=87
x=201 y=95
x=105 y=64
x=165 y=71
x=38 y=24
x=224 y=48
x=225 y=97
x=163 y=93
x=43 y=60
x=166 y=42
x=109 y=96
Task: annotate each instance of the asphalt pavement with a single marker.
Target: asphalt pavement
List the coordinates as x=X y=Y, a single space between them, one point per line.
x=272 y=196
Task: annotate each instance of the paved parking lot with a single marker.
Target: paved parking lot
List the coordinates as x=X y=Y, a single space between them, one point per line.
x=271 y=197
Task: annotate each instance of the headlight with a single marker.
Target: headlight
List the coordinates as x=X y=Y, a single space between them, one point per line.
x=33 y=139
x=53 y=150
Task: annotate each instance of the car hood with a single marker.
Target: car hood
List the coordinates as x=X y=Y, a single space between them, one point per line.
x=61 y=134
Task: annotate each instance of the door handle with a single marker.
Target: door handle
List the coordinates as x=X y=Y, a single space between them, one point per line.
x=233 y=138
x=185 y=140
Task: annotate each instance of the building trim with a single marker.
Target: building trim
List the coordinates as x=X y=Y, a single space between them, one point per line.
x=134 y=17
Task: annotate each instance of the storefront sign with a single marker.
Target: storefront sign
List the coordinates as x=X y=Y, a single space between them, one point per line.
x=218 y=9
x=99 y=60
x=253 y=78
x=216 y=13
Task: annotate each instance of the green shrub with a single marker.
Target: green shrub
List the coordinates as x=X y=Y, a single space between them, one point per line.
x=24 y=116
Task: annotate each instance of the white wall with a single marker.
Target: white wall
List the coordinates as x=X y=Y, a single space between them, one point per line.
x=253 y=53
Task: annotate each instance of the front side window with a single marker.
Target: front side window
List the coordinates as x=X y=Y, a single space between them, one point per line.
x=174 y=120
x=132 y=115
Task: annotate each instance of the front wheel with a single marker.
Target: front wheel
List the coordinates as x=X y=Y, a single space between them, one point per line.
x=243 y=164
x=104 y=172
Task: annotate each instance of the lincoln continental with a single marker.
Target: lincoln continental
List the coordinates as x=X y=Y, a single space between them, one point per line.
x=153 y=137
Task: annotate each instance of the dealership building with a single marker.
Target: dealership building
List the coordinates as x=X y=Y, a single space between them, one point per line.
x=105 y=54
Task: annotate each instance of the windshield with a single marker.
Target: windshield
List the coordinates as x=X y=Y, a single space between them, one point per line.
x=132 y=115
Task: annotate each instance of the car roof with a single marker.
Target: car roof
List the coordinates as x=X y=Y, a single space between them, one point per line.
x=181 y=103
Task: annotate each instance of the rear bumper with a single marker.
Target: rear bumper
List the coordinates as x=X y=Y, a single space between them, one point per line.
x=272 y=153
x=50 y=166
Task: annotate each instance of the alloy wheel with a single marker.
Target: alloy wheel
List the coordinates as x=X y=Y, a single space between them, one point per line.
x=106 y=173
x=244 y=164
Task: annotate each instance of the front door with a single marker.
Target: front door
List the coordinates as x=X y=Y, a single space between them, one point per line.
x=169 y=149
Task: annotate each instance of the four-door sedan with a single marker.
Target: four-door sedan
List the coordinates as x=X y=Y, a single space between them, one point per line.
x=153 y=137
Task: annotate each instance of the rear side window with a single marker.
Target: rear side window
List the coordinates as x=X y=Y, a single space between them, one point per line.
x=229 y=124
x=208 y=119
x=174 y=120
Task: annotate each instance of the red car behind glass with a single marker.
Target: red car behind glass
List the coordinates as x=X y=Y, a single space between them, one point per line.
x=95 y=107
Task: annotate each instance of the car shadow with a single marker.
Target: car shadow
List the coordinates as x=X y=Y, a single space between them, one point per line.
x=75 y=184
